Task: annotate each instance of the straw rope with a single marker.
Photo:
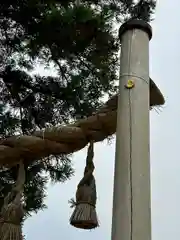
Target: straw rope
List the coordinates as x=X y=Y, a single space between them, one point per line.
x=67 y=139
x=84 y=215
x=12 y=212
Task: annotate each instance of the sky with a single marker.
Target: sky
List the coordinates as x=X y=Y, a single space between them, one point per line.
x=165 y=165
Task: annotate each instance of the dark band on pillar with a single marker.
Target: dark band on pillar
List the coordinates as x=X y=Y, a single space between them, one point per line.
x=135 y=24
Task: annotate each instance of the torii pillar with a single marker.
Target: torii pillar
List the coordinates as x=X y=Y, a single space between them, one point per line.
x=131 y=203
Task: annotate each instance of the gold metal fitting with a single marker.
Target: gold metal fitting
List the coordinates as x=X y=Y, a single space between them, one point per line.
x=130 y=84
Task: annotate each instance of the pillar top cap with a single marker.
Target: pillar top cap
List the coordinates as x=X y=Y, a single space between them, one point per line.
x=135 y=24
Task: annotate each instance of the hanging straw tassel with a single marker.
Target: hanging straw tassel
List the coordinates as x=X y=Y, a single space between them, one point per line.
x=84 y=215
x=12 y=211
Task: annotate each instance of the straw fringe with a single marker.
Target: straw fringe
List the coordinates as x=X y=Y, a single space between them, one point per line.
x=84 y=216
x=10 y=232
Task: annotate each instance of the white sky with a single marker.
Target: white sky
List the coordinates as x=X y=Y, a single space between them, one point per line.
x=165 y=165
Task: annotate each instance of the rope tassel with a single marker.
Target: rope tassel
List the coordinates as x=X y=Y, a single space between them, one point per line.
x=84 y=215
x=12 y=213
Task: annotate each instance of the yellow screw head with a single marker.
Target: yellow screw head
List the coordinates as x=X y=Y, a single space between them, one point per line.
x=130 y=84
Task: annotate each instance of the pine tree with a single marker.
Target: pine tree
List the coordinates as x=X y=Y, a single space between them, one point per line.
x=76 y=38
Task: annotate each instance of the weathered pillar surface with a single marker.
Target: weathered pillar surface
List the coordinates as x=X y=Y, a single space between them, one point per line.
x=131 y=204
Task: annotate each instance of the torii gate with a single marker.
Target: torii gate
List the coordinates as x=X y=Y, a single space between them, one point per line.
x=132 y=205
x=129 y=112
